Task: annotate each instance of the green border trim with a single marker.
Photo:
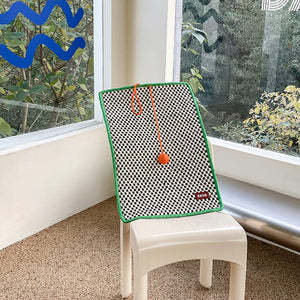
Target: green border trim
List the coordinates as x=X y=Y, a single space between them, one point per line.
x=114 y=161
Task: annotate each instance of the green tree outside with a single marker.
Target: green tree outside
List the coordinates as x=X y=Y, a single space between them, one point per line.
x=51 y=92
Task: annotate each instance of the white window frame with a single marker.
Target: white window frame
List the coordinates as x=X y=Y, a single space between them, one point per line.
x=267 y=169
x=102 y=77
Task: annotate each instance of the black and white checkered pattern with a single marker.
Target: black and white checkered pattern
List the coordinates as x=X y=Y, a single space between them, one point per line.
x=145 y=188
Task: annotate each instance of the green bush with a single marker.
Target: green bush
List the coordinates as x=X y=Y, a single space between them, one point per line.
x=273 y=123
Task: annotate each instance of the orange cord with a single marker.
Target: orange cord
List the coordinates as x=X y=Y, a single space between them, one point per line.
x=158 y=133
x=163 y=158
x=138 y=100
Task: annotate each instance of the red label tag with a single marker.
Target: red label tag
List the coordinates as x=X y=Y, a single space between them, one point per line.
x=202 y=195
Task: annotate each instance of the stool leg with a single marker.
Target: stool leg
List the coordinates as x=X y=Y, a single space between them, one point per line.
x=140 y=288
x=206 y=272
x=237 y=282
x=125 y=259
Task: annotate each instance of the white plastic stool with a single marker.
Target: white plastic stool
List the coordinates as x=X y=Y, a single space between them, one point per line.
x=158 y=242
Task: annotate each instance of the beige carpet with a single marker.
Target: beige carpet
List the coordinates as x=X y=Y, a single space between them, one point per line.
x=79 y=259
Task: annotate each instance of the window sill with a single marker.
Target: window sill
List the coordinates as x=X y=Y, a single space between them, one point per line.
x=274 y=171
x=21 y=142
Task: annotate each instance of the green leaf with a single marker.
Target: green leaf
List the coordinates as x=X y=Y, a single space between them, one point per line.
x=3 y=27
x=60 y=43
x=199 y=76
x=70 y=88
x=14 y=35
x=63 y=32
x=11 y=49
x=29 y=100
x=15 y=88
x=91 y=66
x=193 y=51
x=57 y=85
x=48 y=66
x=10 y=97
x=5 y=127
x=83 y=86
x=199 y=36
x=21 y=96
x=78 y=52
x=194 y=82
x=79 y=96
x=81 y=111
x=37 y=89
x=15 y=43
x=24 y=85
x=52 y=78
x=22 y=47
x=82 y=80
x=76 y=119
x=2 y=91
x=186 y=75
x=201 y=87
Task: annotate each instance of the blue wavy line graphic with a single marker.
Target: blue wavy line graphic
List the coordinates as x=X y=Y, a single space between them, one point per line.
x=40 y=19
x=25 y=62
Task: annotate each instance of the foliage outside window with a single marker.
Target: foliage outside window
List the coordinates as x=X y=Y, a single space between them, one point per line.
x=243 y=65
x=51 y=91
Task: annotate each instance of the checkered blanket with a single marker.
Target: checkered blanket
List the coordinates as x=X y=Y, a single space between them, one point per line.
x=187 y=184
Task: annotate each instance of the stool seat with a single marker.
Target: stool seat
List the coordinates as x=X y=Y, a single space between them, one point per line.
x=158 y=242
x=211 y=227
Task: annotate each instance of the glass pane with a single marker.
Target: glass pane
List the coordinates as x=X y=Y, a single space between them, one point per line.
x=46 y=64
x=243 y=65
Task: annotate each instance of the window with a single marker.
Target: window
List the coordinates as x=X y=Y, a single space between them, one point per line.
x=46 y=64
x=242 y=61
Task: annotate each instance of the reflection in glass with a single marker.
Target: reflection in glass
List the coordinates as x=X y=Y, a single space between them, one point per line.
x=243 y=65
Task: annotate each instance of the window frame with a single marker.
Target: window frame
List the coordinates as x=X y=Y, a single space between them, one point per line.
x=102 y=77
x=264 y=168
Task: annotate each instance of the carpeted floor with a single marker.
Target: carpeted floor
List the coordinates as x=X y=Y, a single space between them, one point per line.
x=79 y=259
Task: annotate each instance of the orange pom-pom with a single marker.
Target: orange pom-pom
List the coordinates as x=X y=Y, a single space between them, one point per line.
x=163 y=158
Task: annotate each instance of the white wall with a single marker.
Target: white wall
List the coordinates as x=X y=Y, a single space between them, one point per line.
x=147 y=43
x=119 y=45
x=143 y=41
x=46 y=183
